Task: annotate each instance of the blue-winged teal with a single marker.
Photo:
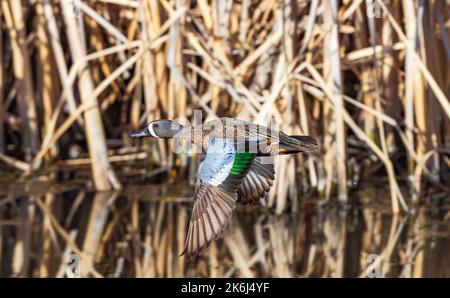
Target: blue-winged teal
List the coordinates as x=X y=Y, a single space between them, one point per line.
x=233 y=169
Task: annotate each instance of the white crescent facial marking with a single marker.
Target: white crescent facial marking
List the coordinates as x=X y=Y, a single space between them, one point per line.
x=152 y=132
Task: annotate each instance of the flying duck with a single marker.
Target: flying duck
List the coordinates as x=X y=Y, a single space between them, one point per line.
x=238 y=167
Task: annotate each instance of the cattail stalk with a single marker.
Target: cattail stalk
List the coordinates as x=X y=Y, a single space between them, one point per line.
x=95 y=134
x=332 y=74
x=15 y=23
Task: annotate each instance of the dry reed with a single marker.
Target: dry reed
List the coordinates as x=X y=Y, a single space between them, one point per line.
x=369 y=78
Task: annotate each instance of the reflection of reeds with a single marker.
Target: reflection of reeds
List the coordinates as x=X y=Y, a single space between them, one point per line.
x=117 y=236
x=83 y=72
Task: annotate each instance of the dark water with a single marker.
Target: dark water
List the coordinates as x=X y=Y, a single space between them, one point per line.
x=49 y=229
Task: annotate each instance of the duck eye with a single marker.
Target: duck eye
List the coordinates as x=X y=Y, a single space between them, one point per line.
x=155 y=125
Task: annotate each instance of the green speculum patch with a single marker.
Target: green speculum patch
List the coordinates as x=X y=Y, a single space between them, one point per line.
x=241 y=161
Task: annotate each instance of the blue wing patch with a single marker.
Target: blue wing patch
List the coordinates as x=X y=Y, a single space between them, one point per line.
x=218 y=161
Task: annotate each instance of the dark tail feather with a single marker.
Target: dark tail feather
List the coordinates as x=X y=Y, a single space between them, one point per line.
x=308 y=141
x=296 y=144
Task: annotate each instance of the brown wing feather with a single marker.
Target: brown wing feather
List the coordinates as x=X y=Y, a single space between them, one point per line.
x=257 y=182
x=211 y=213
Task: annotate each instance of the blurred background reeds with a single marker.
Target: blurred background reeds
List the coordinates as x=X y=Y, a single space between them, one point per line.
x=369 y=78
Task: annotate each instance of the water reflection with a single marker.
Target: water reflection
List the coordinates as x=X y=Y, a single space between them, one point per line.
x=141 y=235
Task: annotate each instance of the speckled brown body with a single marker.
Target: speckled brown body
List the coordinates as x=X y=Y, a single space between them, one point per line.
x=270 y=142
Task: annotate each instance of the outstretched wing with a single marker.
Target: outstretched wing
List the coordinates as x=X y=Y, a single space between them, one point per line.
x=221 y=174
x=258 y=180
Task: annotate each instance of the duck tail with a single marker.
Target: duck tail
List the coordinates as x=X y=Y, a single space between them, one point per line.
x=297 y=144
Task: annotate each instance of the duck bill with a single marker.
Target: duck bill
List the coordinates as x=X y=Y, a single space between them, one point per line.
x=140 y=133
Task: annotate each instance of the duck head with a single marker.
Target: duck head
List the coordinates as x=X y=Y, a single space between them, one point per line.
x=163 y=128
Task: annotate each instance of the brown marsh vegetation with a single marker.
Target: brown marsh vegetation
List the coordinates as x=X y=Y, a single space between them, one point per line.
x=369 y=78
